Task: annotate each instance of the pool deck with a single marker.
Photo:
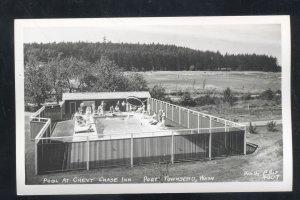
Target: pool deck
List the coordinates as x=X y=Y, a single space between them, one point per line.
x=143 y=129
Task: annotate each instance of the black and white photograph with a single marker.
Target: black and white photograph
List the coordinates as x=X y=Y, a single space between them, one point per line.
x=153 y=105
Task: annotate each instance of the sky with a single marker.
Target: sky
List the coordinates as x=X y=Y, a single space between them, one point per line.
x=229 y=38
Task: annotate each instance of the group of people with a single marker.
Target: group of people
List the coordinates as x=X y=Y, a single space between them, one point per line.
x=159 y=118
x=83 y=122
x=118 y=108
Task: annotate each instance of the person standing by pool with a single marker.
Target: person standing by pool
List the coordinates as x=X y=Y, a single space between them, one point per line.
x=144 y=108
x=103 y=106
x=163 y=118
x=93 y=108
x=153 y=120
x=123 y=106
x=111 y=109
x=100 y=110
x=160 y=115
x=117 y=109
x=148 y=108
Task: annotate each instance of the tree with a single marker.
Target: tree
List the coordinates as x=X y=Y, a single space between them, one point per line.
x=267 y=94
x=37 y=87
x=54 y=74
x=158 y=92
x=151 y=56
x=229 y=97
x=137 y=82
x=67 y=73
x=72 y=69
x=109 y=77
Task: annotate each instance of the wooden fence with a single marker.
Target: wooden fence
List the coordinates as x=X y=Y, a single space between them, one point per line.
x=40 y=117
x=207 y=137
x=188 y=118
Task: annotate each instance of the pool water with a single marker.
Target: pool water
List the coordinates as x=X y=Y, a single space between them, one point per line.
x=124 y=125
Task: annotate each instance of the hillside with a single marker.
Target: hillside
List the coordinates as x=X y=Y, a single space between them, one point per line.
x=156 y=57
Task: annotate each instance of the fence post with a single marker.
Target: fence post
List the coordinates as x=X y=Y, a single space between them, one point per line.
x=50 y=124
x=172 y=113
x=225 y=133
x=166 y=109
x=156 y=107
x=36 y=157
x=131 y=151
x=188 y=118
x=198 y=122
x=149 y=106
x=172 y=148
x=179 y=115
x=245 y=144
x=87 y=153
x=209 y=142
x=60 y=112
x=209 y=145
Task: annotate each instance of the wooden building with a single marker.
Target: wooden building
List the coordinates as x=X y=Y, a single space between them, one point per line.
x=72 y=101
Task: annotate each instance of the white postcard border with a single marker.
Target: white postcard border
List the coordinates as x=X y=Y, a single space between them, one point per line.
x=285 y=185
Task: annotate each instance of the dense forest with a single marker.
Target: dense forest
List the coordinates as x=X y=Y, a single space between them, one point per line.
x=145 y=57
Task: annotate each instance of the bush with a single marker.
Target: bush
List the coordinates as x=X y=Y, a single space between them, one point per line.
x=158 y=92
x=252 y=129
x=246 y=96
x=187 y=100
x=206 y=100
x=267 y=94
x=229 y=97
x=271 y=126
x=31 y=108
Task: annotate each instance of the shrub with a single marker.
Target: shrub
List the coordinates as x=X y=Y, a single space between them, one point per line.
x=179 y=93
x=246 y=96
x=277 y=97
x=187 y=100
x=267 y=95
x=31 y=108
x=271 y=126
x=205 y=100
x=229 y=97
x=252 y=129
x=158 y=92
x=278 y=92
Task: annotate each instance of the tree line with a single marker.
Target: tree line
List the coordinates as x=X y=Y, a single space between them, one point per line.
x=45 y=81
x=151 y=57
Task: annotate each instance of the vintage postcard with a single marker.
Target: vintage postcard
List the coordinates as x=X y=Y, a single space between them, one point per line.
x=153 y=105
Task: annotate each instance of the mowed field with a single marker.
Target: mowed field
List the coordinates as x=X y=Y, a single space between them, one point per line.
x=239 y=81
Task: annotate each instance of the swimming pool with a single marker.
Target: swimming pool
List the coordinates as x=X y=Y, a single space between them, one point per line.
x=137 y=123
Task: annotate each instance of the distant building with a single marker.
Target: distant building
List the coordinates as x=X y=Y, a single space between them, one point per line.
x=224 y=69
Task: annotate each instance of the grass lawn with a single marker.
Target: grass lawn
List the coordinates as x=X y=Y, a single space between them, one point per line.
x=236 y=168
x=259 y=110
x=240 y=81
